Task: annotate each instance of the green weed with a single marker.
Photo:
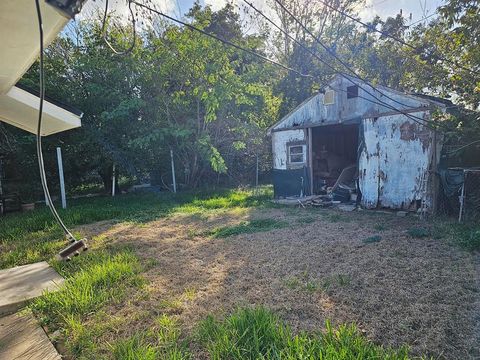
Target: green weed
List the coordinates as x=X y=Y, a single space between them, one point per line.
x=380 y=227
x=258 y=334
x=162 y=342
x=102 y=278
x=302 y=282
x=247 y=227
x=338 y=279
x=333 y=217
x=372 y=239
x=134 y=348
x=306 y=220
x=418 y=232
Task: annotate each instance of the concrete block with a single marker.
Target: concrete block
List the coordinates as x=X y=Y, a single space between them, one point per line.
x=22 y=283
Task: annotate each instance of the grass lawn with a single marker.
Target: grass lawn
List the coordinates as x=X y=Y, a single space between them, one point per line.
x=229 y=275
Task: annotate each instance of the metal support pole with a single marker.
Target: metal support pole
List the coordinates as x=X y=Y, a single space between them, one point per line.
x=113 y=180
x=256 y=176
x=1 y=189
x=62 y=180
x=173 y=172
x=462 y=198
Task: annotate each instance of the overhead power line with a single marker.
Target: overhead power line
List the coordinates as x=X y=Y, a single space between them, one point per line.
x=422 y=19
x=192 y=27
x=328 y=64
x=229 y=43
x=401 y=41
x=353 y=72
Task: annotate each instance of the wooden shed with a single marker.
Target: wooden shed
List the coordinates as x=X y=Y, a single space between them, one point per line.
x=350 y=137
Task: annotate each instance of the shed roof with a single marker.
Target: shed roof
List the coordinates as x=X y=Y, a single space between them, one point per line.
x=314 y=107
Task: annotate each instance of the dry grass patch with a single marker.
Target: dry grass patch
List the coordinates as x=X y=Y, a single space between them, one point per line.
x=400 y=290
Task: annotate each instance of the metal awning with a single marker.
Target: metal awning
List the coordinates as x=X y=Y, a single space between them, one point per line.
x=19 y=48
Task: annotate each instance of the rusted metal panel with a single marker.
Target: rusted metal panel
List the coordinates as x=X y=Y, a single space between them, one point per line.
x=394 y=162
x=279 y=146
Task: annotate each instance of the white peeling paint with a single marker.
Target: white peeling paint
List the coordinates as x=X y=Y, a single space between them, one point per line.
x=394 y=164
x=279 y=146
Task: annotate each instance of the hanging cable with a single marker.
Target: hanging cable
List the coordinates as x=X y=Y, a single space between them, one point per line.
x=417 y=119
x=104 y=30
x=229 y=43
x=403 y=42
x=76 y=244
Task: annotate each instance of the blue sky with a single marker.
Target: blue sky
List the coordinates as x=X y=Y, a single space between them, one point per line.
x=383 y=8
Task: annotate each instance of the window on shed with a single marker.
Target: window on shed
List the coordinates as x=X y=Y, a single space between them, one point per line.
x=297 y=154
x=329 y=97
x=352 y=91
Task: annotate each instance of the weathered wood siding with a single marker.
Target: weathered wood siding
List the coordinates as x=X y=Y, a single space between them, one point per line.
x=279 y=146
x=394 y=161
x=312 y=112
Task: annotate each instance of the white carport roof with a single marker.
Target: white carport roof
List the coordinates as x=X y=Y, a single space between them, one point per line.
x=19 y=48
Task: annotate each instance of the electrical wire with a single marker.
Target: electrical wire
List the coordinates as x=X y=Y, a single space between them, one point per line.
x=227 y=42
x=423 y=19
x=41 y=164
x=403 y=42
x=416 y=119
x=104 y=31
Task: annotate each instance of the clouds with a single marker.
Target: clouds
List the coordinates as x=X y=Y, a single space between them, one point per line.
x=120 y=7
x=372 y=8
x=386 y=8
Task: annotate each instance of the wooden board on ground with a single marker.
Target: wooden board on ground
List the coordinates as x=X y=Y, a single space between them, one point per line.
x=22 y=338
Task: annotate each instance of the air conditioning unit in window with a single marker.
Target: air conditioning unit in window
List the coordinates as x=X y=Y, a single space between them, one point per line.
x=329 y=97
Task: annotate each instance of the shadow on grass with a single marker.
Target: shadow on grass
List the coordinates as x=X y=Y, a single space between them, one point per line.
x=34 y=236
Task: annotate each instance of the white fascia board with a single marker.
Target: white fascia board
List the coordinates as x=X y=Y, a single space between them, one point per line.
x=20 y=108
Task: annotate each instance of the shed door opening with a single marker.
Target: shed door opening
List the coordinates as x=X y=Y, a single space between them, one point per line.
x=334 y=149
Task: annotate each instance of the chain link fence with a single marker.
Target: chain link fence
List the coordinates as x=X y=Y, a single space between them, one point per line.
x=459 y=194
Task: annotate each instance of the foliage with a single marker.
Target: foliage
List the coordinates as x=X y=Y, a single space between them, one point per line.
x=162 y=342
x=102 y=277
x=258 y=334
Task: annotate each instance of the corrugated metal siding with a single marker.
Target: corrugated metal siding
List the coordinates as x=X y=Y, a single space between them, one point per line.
x=394 y=162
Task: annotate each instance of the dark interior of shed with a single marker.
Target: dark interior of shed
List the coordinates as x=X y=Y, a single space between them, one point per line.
x=334 y=149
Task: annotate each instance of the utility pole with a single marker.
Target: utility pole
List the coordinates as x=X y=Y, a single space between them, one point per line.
x=256 y=176
x=62 y=180
x=173 y=172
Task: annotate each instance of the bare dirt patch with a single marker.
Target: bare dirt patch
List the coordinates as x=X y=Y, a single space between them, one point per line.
x=398 y=289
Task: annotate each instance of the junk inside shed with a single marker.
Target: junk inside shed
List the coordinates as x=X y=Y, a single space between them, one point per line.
x=334 y=161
